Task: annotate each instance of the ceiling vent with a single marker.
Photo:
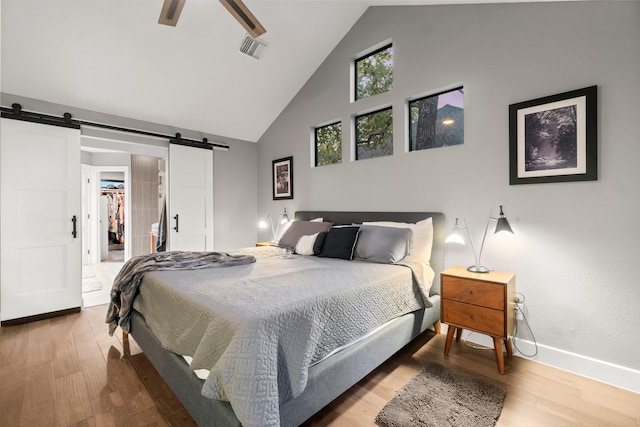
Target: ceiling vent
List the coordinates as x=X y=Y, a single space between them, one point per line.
x=252 y=47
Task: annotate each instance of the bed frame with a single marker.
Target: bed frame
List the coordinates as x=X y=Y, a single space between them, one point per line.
x=328 y=379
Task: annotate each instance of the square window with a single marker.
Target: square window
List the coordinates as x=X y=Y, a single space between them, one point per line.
x=374 y=73
x=437 y=120
x=374 y=134
x=328 y=144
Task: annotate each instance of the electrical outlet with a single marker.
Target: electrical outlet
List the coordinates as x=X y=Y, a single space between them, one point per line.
x=519 y=311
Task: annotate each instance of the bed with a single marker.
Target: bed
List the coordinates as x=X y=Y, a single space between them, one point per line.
x=328 y=374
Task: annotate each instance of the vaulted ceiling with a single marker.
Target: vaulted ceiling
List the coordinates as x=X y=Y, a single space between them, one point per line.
x=112 y=56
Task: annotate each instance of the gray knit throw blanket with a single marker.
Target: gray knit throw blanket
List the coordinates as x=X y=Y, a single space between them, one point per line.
x=126 y=283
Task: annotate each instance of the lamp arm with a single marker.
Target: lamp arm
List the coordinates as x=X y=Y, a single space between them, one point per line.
x=273 y=230
x=486 y=229
x=473 y=249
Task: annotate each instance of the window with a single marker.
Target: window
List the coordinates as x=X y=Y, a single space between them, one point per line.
x=328 y=143
x=374 y=73
x=437 y=120
x=374 y=134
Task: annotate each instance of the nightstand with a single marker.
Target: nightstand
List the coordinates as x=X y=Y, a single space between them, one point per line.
x=263 y=244
x=480 y=302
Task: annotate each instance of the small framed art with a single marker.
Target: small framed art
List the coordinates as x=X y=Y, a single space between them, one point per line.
x=283 y=178
x=554 y=139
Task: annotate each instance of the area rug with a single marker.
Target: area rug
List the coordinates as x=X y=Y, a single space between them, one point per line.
x=90 y=283
x=440 y=397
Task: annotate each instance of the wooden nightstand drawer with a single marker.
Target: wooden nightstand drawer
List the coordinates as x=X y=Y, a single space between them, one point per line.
x=485 y=294
x=468 y=316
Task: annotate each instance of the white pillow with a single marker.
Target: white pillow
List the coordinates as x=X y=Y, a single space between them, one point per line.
x=305 y=244
x=420 y=249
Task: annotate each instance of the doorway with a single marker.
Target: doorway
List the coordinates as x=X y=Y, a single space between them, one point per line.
x=107 y=232
x=116 y=170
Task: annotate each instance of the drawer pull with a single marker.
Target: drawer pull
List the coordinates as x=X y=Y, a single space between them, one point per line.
x=470 y=292
x=471 y=316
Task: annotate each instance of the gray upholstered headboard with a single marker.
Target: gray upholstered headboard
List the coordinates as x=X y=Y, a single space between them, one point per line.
x=437 y=251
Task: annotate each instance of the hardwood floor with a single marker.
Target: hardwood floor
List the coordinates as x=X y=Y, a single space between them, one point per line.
x=68 y=371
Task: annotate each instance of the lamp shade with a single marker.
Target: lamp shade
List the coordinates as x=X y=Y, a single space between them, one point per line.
x=502 y=223
x=284 y=218
x=455 y=236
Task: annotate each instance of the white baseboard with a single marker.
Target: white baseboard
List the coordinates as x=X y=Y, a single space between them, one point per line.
x=599 y=370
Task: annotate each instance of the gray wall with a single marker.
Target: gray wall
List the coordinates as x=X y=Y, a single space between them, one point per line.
x=576 y=244
x=235 y=180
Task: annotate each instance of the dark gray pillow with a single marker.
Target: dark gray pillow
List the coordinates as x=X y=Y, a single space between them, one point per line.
x=298 y=229
x=386 y=245
x=317 y=246
x=339 y=242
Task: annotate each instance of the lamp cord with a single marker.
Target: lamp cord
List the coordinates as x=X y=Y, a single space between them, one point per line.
x=520 y=300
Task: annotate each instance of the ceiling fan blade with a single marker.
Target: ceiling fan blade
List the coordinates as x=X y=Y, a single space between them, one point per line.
x=171 y=10
x=240 y=11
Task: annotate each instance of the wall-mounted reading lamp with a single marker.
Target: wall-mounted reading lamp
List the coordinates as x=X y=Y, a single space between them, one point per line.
x=456 y=236
x=275 y=229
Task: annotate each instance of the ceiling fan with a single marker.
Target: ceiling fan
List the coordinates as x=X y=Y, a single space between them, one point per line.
x=171 y=10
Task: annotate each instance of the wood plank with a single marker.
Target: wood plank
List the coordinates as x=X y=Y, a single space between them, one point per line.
x=39 y=347
x=39 y=405
x=181 y=418
x=11 y=396
x=136 y=396
x=149 y=417
x=65 y=355
x=167 y=402
x=96 y=377
x=72 y=402
x=13 y=347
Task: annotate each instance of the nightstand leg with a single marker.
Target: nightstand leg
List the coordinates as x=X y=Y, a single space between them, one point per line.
x=507 y=344
x=497 y=347
x=447 y=344
x=458 y=334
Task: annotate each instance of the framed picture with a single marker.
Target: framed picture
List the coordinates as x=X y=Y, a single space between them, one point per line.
x=554 y=139
x=283 y=178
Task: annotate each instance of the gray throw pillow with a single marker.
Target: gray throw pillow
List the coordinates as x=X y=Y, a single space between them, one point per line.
x=386 y=245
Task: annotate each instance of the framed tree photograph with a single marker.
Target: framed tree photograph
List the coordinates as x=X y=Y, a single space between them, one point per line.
x=554 y=139
x=283 y=178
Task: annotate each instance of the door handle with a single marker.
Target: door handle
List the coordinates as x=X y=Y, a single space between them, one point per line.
x=176 y=227
x=74 y=221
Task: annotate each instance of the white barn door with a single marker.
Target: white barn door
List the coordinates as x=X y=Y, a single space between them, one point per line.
x=41 y=255
x=190 y=216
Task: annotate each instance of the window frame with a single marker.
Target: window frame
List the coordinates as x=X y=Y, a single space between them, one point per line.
x=360 y=58
x=355 y=131
x=315 y=143
x=409 y=144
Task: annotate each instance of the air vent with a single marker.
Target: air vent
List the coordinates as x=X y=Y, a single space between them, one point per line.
x=252 y=47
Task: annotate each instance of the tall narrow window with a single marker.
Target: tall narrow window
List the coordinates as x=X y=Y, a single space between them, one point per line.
x=437 y=120
x=374 y=73
x=374 y=134
x=328 y=143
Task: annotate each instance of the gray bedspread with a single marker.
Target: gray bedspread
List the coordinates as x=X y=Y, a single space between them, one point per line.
x=258 y=327
x=126 y=283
